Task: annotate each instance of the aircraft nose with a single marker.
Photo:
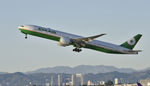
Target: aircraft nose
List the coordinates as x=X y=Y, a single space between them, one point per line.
x=20 y=27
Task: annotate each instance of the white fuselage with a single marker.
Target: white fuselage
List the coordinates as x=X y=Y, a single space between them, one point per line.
x=52 y=32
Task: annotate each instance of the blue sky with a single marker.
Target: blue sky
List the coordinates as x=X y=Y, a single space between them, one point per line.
x=120 y=19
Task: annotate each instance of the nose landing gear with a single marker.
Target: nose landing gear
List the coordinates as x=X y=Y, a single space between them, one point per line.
x=25 y=36
x=77 y=50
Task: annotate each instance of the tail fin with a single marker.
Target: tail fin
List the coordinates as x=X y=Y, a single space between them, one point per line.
x=130 y=44
x=138 y=84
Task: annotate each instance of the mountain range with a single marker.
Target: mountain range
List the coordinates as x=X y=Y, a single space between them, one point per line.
x=3 y=72
x=84 y=69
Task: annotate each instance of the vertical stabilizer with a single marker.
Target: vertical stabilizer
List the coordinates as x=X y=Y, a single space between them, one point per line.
x=130 y=44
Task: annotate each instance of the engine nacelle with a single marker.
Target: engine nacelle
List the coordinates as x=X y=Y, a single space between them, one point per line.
x=64 y=41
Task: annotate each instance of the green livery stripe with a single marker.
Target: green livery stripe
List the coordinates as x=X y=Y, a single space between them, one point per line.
x=40 y=34
x=89 y=46
x=55 y=38
x=96 y=48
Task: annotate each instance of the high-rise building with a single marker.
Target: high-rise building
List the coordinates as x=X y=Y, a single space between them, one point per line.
x=116 y=81
x=58 y=80
x=72 y=80
x=79 y=79
x=51 y=81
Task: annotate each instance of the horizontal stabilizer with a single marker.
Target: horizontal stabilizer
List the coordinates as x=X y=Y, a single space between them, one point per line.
x=136 y=51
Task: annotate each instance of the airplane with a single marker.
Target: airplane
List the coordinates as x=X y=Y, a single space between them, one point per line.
x=139 y=84
x=66 y=39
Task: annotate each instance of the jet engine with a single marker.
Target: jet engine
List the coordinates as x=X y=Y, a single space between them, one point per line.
x=64 y=41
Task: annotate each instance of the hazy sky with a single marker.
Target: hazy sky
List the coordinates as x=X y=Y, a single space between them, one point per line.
x=120 y=19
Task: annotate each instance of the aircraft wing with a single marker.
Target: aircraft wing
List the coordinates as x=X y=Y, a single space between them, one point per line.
x=88 y=39
x=79 y=42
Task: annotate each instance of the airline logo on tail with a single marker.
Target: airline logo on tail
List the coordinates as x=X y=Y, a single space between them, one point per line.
x=132 y=41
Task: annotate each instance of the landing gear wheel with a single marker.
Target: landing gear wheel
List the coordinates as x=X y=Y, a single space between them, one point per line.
x=77 y=50
x=25 y=36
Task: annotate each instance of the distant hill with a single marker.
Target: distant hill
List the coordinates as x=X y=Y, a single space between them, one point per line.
x=84 y=69
x=146 y=69
x=3 y=72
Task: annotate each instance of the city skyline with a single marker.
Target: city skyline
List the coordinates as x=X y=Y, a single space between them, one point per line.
x=120 y=20
x=63 y=79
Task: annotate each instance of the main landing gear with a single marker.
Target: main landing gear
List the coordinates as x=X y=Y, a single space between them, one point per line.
x=77 y=50
x=25 y=36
